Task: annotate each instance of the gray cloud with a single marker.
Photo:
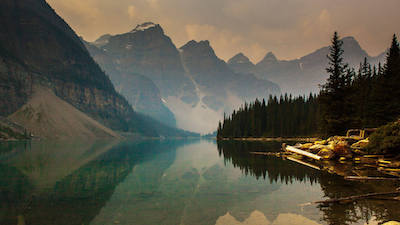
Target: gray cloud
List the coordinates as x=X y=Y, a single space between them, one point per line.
x=289 y=28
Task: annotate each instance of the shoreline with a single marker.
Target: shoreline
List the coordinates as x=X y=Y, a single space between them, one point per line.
x=278 y=139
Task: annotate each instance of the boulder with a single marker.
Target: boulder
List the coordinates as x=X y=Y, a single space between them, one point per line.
x=342 y=148
x=317 y=147
x=361 y=144
x=326 y=154
x=323 y=142
x=392 y=223
x=306 y=146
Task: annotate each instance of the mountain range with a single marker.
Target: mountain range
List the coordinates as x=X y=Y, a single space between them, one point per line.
x=57 y=85
x=304 y=75
x=51 y=85
x=192 y=82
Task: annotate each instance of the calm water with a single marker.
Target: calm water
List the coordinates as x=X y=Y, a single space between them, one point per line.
x=173 y=182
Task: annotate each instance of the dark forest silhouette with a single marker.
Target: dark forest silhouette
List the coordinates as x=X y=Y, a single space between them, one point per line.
x=349 y=99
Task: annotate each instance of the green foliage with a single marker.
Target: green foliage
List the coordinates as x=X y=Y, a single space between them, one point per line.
x=386 y=140
x=286 y=117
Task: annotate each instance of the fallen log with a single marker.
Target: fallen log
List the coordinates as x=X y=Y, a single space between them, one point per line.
x=354 y=198
x=304 y=163
x=301 y=152
x=370 y=178
x=266 y=153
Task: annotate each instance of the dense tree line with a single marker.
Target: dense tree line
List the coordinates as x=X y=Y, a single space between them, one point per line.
x=283 y=117
x=367 y=98
x=349 y=99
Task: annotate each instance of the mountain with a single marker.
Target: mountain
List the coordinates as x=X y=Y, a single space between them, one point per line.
x=140 y=91
x=304 y=75
x=217 y=81
x=241 y=63
x=197 y=92
x=39 y=51
x=146 y=50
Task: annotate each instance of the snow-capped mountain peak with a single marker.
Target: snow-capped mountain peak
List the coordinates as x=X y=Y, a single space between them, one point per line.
x=144 y=26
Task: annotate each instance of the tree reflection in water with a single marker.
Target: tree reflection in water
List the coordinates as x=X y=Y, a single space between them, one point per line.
x=333 y=186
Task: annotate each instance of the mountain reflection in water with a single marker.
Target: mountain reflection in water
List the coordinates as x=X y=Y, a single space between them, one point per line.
x=173 y=182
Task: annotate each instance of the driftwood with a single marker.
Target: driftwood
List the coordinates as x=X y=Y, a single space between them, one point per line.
x=370 y=178
x=301 y=152
x=303 y=163
x=266 y=153
x=355 y=198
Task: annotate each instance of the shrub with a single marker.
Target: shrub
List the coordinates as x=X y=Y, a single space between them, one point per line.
x=385 y=140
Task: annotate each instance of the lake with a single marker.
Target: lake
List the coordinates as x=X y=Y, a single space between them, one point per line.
x=174 y=182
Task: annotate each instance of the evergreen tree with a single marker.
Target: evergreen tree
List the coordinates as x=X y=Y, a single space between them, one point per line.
x=332 y=105
x=384 y=105
x=348 y=100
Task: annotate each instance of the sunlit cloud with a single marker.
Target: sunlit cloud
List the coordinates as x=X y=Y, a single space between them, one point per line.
x=131 y=11
x=290 y=29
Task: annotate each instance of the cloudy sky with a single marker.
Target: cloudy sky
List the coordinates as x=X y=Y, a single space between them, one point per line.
x=289 y=28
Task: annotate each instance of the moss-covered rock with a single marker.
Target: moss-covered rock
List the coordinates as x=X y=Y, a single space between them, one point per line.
x=385 y=140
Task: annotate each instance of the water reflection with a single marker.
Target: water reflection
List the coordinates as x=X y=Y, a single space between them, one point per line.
x=173 y=182
x=359 y=212
x=266 y=167
x=64 y=182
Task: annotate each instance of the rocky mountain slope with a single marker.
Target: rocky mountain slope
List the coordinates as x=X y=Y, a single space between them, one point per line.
x=140 y=91
x=194 y=83
x=303 y=75
x=146 y=50
x=51 y=117
x=218 y=81
x=12 y=131
x=37 y=48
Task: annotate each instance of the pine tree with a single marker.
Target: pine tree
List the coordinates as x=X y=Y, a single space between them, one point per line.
x=392 y=58
x=332 y=105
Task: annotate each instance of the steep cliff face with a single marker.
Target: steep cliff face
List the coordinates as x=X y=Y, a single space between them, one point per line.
x=15 y=86
x=35 y=38
x=140 y=91
x=37 y=48
x=147 y=51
